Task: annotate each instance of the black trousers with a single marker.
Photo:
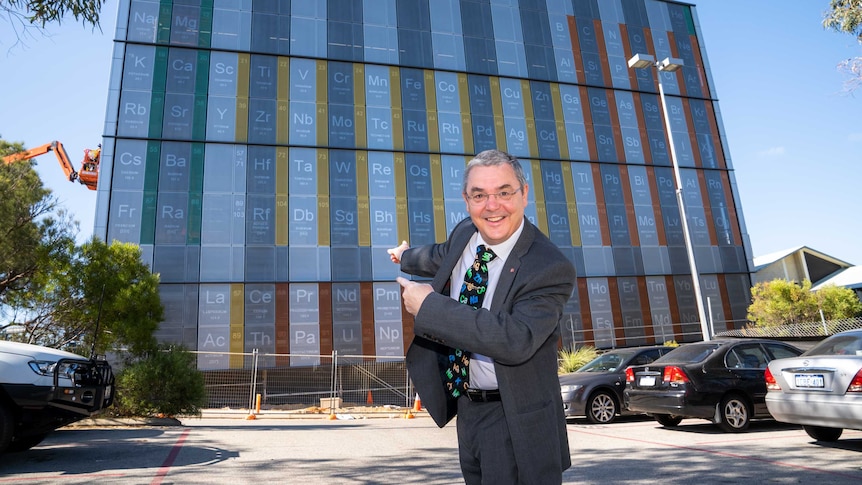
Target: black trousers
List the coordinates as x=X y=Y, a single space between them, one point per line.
x=484 y=445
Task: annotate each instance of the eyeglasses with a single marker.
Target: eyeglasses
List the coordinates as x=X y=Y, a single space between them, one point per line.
x=482 y=198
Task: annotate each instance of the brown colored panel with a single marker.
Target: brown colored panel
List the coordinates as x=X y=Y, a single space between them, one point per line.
x=601 y=205
x=656 y=206
x=324 y=309
x=674 y=306
x=725 y=305
x=619 y=329
x=731 y=210
x=716 y=138
x=646 y=311
x=576 y=49
x=631 y=218
x=627 y=49
x=707 y=207
x=366 y=301
x=282 y=323
x=586 y=317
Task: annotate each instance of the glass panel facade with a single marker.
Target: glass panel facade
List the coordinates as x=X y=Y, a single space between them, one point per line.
x=268 y=153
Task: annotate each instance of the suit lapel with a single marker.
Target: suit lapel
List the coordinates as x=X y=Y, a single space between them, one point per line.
x=512 y=265
x=458 y=241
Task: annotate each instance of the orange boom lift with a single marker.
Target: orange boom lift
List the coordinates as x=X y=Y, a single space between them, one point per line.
x=89 y=173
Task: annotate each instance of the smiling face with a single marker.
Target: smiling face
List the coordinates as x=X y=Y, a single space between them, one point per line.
x=496 y=219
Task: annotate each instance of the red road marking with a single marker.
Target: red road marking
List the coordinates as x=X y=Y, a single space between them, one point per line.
x=169 y=461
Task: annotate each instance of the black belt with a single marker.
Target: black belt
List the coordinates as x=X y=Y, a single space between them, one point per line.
x=480 y=395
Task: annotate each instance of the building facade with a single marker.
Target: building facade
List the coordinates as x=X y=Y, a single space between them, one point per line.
x=264 y=154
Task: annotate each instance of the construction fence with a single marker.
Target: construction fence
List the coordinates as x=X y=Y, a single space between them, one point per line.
x=320 y=383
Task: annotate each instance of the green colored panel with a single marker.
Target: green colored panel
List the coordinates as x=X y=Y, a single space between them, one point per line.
x=151 y=175
x=166 y=9
x=199 y=125
x=160 y=69
x=148 y=217
x=196 y=168
x=205 y=33
x=202 y=74
x=193 y=236
x=157 y=105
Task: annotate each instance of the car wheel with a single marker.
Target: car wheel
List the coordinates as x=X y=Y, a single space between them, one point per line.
x=732 y=414
x=822 y=433
x=601 y=408
x=668 y=420
x=25 y=443
x=7 y=425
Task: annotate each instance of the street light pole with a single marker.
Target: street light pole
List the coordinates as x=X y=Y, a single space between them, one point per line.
x=668 y=64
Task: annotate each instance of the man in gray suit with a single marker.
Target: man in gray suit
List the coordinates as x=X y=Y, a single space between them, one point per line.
x=511 y=426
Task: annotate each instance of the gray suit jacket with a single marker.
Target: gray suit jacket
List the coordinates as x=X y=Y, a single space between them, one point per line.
x=520 y=332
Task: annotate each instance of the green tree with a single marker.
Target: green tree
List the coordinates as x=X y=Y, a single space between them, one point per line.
x=782 y=302
x=33 y=228
x=41 y=12
x=845 y=16
x=98 y=296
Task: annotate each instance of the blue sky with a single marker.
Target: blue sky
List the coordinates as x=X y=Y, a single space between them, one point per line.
x=794 y=135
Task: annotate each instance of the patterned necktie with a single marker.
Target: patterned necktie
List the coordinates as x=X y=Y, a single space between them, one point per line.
x=472 y=293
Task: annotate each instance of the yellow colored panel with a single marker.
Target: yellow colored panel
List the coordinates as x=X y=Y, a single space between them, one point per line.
x=437 y=197
x=360 y=121
x=237 y=325
x=243 y=67
x=557 y=102
x=395 y=102
x=530 y=118
x=431 y=112
x=401 y=198
x=466 y=113
x=282 y=122
x=323 y=229
x=571 y=203
x=497 y=107
x=539 y=194
x=282 y=215
x=322 y=107
x=363 y=205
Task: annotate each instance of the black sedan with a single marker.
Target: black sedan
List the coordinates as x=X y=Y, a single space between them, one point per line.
x=719 y=380
x=596 y=389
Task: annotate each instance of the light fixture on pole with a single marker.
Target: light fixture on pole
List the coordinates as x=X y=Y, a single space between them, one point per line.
x=671 y=64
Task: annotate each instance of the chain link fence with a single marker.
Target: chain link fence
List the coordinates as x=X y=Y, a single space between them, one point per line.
x=336 y=383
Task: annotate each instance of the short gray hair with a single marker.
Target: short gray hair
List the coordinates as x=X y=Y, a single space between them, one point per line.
x=491 y=158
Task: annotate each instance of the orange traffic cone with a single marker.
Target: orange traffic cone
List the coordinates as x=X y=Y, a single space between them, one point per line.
x=369 y=400
x=417 y=404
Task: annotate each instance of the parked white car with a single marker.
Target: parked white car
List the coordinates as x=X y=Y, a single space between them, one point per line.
x=821 y=389
x=42 y=389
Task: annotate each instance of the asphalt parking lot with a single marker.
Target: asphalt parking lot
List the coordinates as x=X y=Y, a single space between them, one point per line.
x=393 y=450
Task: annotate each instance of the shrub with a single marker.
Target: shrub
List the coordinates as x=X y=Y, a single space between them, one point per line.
x=572 y=360
x=164 y=382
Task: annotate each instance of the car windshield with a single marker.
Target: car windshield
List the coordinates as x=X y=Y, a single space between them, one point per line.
x=689 y=353
x=847 y=344
x=608 y=362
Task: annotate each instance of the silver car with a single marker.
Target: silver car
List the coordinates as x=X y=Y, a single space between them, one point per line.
x=821 y=389
x=596 y=389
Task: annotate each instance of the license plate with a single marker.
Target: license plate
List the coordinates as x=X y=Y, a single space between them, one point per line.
x=647 y=381
x=809 y=380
